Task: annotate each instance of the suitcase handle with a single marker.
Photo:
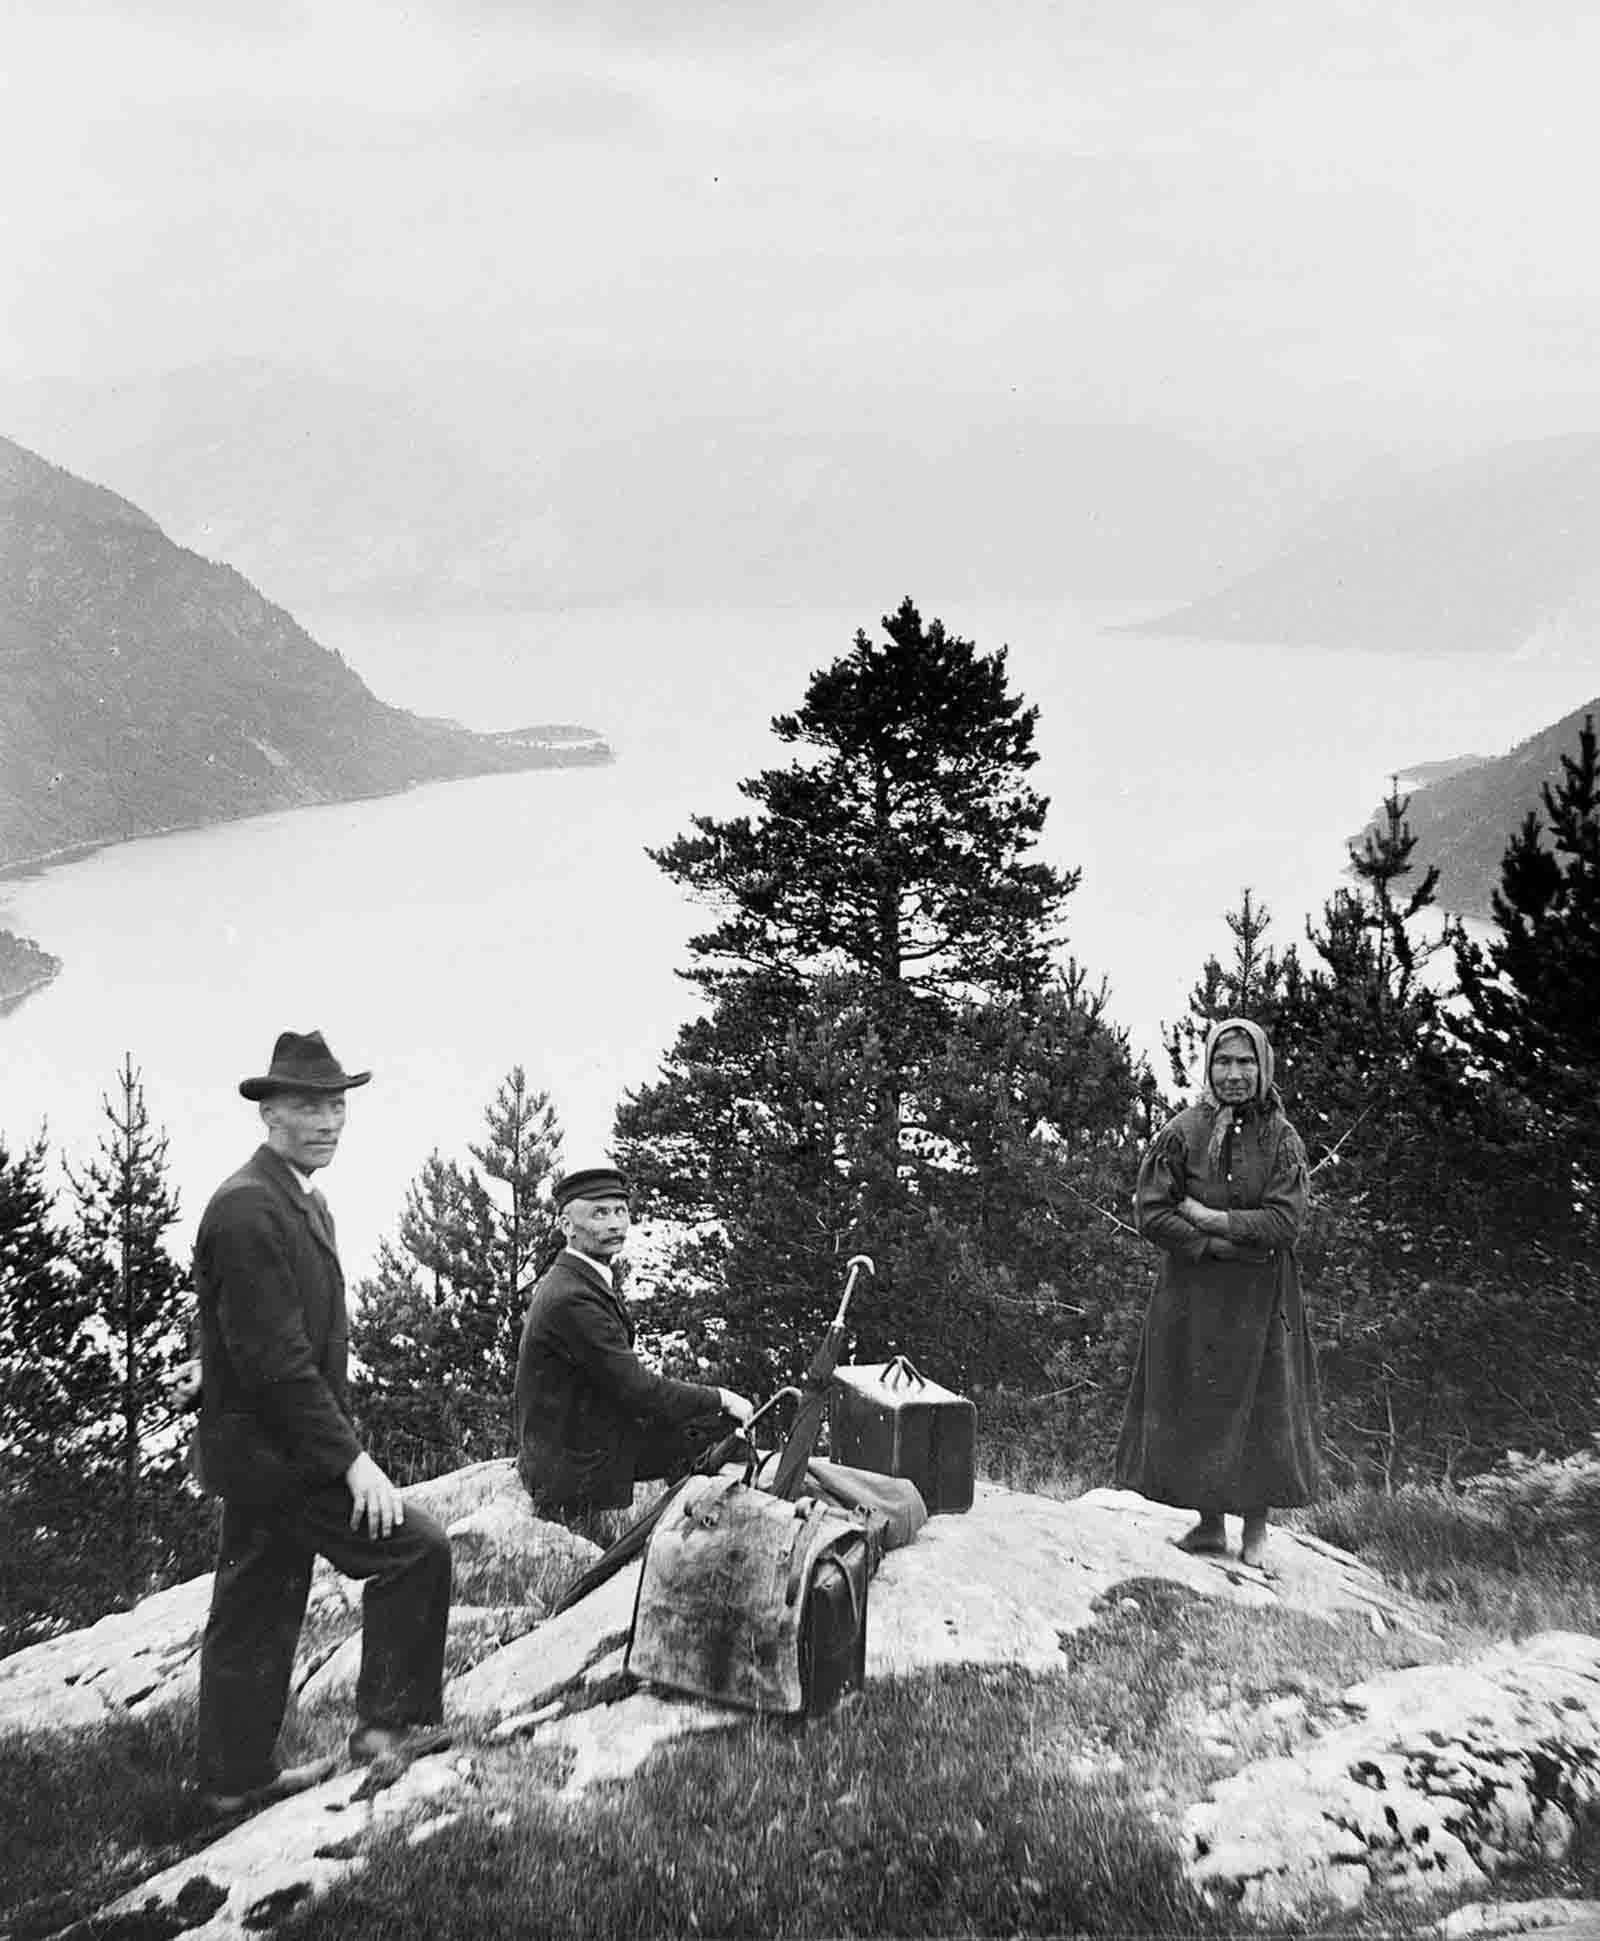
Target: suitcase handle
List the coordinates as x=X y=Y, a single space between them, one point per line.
x=902 y=1369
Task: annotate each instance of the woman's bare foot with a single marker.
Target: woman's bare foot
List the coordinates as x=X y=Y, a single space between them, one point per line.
x=1208 y=1538
x=1254 y=1547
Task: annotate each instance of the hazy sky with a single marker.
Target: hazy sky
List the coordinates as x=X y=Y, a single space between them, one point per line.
x=1296 y=214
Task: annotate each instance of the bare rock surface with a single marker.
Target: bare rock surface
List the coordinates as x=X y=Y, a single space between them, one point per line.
x=1001 y=1584
x=476 y=1631
x=117 y=1665
x=1421 y=1779
x=1444 y=1775
x=549 y=1659
x=263 y=1869
x=611 y=1741
x=1552 y=1920
x=139 y=1660
x=136 y=1661
x=487 y=1512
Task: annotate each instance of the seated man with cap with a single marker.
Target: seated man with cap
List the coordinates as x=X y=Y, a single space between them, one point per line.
x=592 y=1419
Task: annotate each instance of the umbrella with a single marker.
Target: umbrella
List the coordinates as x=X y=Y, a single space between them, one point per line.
x=637 y=1535
x=791 y=1468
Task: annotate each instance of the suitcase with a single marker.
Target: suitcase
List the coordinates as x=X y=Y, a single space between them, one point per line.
x=886 y=1416
x=752 y=1599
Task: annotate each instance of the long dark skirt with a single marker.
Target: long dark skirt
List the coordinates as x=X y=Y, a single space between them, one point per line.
x=1222 y=1414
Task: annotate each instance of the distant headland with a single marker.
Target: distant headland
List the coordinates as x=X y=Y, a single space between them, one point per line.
x=145 y=690
x=24 y=969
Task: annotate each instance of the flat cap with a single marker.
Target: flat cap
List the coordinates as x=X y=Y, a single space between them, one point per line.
x=591 y=1183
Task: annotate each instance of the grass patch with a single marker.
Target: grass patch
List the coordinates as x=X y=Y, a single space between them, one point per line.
x=968 y=1802
x=1028 y=1443
x=1484 y=1578
x=916 y=1809
x=87 y=1813
x=488 y=1573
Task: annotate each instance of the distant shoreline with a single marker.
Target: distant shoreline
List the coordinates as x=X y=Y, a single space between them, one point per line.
x=22 y=868
x=25 y=967
x=9 y=1000
x=597 y=755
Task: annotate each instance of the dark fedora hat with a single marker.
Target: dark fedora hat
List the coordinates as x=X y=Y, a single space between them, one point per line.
x=591 y=1183
x=301 y=1064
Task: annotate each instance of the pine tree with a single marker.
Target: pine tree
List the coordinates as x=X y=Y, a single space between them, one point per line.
x=50 y=1364
x=520 y=1154
x=1255 y=984
x=899 y=851
x=1441 y=1330
x=880 y=973
x=1532 y=996
x=896 y=852
x=435 y=1329
x=125 y=1207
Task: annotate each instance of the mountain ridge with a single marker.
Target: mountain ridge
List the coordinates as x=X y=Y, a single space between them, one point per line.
x=567 y=483
x=1464 y=818
x=1497 y=553
x=144 y=688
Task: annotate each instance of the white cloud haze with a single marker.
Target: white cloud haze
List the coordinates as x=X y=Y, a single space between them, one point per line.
x=1280 y=216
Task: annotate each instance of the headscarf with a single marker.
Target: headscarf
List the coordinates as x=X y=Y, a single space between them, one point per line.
x=1266 y=1101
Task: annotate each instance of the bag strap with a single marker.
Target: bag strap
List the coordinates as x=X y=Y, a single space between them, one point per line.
x=833 y=1552
x=806 y=1524
x=902 y=1369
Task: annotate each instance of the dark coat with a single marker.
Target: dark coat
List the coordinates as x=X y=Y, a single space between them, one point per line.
x=585 y=1403
x=274 y=1338
x=1222 y=1413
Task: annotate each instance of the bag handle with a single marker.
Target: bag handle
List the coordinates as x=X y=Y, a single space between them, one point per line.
x=901 y=1369
x=752 y=1468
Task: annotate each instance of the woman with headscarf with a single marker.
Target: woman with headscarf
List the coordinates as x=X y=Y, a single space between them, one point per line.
x=1222 y=1413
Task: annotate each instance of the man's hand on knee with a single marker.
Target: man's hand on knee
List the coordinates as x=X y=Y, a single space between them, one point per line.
x=373 y=1497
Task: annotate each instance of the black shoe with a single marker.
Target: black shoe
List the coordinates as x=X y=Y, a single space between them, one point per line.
x=282 y=1785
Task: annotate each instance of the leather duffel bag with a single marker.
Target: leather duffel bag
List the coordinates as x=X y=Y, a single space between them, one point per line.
x=752 y=1599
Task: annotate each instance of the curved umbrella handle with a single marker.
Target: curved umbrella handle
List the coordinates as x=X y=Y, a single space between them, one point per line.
x=771 y=1402
x=855 y=1263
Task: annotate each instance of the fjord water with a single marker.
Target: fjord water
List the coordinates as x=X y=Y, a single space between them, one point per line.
x=443 y=935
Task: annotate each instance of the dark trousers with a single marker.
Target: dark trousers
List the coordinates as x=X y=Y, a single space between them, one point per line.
x=658 y=1454
x=258 y=1600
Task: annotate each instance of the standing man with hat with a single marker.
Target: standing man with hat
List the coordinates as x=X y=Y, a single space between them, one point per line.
x=276 y=1443
x=592 y=1419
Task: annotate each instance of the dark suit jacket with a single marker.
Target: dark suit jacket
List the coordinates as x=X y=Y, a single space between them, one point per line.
x=584 y=1400
x=274 y=1338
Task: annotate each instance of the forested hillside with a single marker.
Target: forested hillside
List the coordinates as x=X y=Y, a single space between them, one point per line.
x=145 y=688
x=1463 y=819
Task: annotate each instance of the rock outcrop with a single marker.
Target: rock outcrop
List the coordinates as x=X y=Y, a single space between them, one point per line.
x=1444 y=1775
x=137 y=1661
x=1551 y=1919
x=264 y=1869
x=1423 y=1779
